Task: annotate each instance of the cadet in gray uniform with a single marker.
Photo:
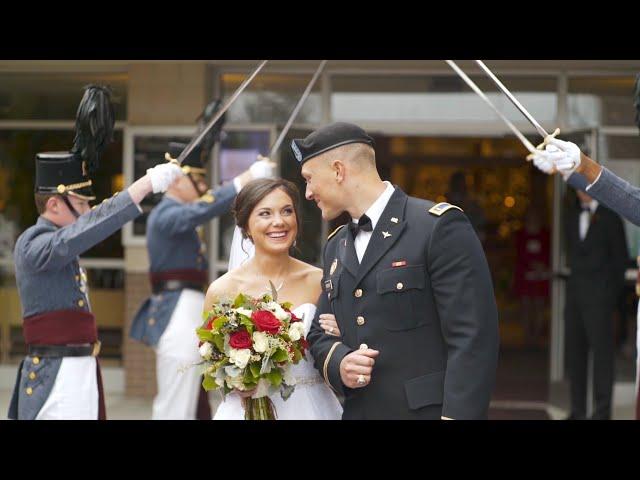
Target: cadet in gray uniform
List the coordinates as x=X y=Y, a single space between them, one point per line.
x=583 y=173
x=410 y=288
x=167 y=321
x=60 y=376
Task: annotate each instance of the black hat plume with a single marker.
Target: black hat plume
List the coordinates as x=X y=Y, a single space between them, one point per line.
x=94 y=125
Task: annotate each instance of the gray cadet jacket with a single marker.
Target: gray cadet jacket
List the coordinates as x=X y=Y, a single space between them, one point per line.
x=173 y=244
x=49 y=279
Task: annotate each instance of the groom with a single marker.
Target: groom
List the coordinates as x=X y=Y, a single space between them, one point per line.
x=409 y=285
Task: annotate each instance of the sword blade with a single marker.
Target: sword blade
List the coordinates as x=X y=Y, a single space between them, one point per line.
x=297 y=108
x=481 y=94
x=194 y=143
x=513 y=99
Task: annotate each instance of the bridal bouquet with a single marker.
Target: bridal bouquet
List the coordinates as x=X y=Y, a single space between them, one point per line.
x=250 y=344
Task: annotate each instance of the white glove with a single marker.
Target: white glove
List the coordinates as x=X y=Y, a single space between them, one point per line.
x=263 y=168
x=543 y=164
x=163 y=175
x=564 y=155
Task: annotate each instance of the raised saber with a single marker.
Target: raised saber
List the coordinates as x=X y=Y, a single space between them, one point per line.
x=194 y=142
x=297 y=108
x=481 y=94
x=545 y=135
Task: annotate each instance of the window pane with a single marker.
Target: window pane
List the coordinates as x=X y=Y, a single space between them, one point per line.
x=271 y=98
x=55 y=96
x=18 y=149
x=595 y=101
x=148 y=151
x=438 y=99
x=620 y=147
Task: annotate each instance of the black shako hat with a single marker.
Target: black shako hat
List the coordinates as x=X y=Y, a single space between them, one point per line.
x=67 y=173
x=62 y=173
x=327 y=138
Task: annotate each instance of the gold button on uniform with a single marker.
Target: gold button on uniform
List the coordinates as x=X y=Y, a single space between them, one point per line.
x=77 y=278
x=32 y=376
x=400 y=286
x=35 y=360
x=29 y=390
x=358 y=293
x=81 y=303
x=360 y=320
x=152 y=321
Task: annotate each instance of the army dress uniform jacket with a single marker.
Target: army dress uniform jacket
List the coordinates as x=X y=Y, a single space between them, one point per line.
x=174 y=246
x=49 y=279
x=423 y=297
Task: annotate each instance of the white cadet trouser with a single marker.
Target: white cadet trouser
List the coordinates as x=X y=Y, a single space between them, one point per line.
x=178 y=380
x=74 y=395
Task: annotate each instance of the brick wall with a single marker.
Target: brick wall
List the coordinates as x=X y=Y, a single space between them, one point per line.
x=139 y=360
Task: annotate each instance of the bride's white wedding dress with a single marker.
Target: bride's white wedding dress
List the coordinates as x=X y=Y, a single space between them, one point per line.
x=312 y=399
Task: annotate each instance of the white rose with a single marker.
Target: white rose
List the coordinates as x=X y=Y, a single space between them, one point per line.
x=240 y=357
x=260 y=342
x=244 y=311
x=296 y=331
x=278 y=311
x=206 y=349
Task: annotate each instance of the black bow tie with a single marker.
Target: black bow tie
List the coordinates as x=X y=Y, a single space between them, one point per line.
x=363 y=224
x=586 y=209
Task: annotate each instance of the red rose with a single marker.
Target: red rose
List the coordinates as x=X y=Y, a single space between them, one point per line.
x=266 y=321
x=240 y=340
x=294 y=318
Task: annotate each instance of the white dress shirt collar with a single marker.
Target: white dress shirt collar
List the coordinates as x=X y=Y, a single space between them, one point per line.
x=374 y=212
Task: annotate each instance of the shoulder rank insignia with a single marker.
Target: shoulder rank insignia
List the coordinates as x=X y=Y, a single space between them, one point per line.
x=335 y=231
x=441 y=208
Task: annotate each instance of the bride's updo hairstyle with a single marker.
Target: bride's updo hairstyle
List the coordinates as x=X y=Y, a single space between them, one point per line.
x=253 y=193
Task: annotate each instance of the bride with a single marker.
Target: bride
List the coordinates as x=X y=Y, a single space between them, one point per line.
x=267 y=213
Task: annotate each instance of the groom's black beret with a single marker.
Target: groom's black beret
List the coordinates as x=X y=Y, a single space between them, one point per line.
x=327 y=138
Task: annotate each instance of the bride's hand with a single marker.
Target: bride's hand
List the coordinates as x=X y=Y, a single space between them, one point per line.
x=329 y=324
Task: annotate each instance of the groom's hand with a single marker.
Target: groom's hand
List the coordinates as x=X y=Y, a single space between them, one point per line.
x=356 y=367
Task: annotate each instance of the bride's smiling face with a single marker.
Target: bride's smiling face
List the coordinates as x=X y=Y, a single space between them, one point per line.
x=273 y=225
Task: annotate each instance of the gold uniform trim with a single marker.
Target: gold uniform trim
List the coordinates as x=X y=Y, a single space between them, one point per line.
x=74 y=186
x=326 y=365
x=198 y=171
x=208 y=197
x=442 y=207
x=335 y=231
x=81 y=197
